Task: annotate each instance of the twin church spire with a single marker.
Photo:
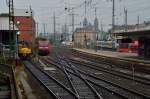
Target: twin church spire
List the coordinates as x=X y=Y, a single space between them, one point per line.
x=86 y=23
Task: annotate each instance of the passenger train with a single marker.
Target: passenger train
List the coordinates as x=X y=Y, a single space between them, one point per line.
x=107 y=45
x=43 y=47
x=120 y=47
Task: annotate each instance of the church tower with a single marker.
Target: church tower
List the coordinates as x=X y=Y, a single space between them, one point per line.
x=85 y=22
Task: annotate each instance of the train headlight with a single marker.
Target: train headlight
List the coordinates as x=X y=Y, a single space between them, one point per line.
x=46 y=47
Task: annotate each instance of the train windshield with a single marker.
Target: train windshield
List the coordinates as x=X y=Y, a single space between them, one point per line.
x=23 y=44
x=43 y=43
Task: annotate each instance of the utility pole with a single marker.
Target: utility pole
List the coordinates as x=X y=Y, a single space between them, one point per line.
x=73 y=23
x=126 y=19
x=11 y=26
x=44 y=29
x=37 y=35
x=80 y=37
x=101 y=31
x=138 y=21
x=37 y=29
x=102 y=26
x=54 y=23
x=11 y=19
x=113 y=16
x=66 y=37
x=84 y=30
x=96 y=32
x=32 y=30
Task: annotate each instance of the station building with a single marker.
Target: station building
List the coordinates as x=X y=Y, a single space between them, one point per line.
x=85 y=37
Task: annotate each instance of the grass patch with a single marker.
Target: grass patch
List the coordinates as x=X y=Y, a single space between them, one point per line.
x=5 y=60
x=138 y=58
x=3 y=79
x=4 y=83
x=2 y=60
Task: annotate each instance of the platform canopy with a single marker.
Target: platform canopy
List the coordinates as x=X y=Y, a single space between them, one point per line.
x=133 y=34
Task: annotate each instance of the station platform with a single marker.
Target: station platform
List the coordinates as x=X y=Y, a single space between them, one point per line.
x=121 y=55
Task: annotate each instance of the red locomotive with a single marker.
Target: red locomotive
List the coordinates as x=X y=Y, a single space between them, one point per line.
x=43 y=47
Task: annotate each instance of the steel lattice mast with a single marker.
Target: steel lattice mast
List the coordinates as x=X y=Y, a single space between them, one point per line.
x=11 y=19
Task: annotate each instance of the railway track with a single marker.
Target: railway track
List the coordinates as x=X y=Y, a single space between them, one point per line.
x=133 y=83
x=113 y=62
x=97 y=67
x=12 y=91
x=129 y=86
x=102 y=88
x=55 y=72
x=121 y=84
x=79 y=85
x=105 y=66
x=102 y=83
x=53 y=86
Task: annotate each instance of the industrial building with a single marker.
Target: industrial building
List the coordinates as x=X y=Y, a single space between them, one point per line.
x=6 y=36
x=24 y=23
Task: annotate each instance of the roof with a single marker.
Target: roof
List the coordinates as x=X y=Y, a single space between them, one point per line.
x=86 y=29
x=134 y=33
x=19 y=12
x=22 y=12
x=4 y=23
x=4 y=15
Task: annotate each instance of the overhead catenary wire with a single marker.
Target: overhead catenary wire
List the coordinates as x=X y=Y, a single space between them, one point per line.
x=60 y=9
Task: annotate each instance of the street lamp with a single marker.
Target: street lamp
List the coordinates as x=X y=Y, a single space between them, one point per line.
x=17 y=36
x=17 y=48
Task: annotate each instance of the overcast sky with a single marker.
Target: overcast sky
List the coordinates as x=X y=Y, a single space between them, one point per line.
x=44 y=9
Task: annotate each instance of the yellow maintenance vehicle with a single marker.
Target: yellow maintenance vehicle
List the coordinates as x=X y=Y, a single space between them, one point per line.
x=24 y=50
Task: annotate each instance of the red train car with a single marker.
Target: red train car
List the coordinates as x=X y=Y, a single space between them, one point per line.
x=129 y=47
x=123 y=47
x=43 y=47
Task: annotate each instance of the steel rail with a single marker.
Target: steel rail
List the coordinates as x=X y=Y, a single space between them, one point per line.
x=113 y=72
x=75 y=74
x=125 y=75
x=93 y=76
x=59 y=83
x=50 y=91
x=85 y=81
x=93 y=82
x=109 y=82
x=92 y=88
x=69 y=78
x=51 y=78
x=68 y=69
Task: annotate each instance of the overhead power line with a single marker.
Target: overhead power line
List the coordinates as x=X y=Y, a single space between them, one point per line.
x=140 y=9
